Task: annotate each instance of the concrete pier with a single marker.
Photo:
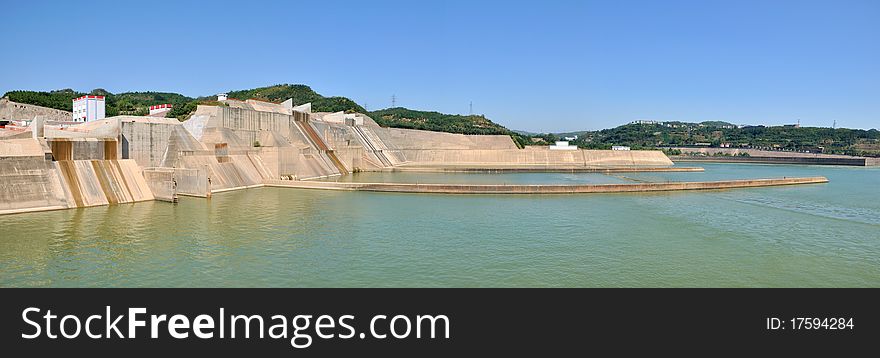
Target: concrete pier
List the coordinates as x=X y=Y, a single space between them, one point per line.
x=544 y=188
x=544 y=170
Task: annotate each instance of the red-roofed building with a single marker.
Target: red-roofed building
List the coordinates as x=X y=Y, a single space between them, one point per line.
x=160 y=110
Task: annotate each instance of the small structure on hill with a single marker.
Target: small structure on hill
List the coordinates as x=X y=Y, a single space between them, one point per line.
x=563 y=145
x=160 y=110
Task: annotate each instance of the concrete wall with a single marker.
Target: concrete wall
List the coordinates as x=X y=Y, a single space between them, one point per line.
x=83 y=148
x=28 y=184
x=533 y=157
x=192 y=182
x=145 y=142
x=161 y=183
x=418 y=139
x=13 y=110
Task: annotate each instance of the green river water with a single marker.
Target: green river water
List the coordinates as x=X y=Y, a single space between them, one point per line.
x=808 y=235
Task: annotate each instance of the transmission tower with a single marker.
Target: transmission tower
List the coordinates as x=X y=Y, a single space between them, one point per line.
x=472 y=108
x=393 y=101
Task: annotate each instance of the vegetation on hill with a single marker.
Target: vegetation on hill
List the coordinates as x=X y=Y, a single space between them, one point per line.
x=301 y=94
x=722 y=134
x=58 y=99
x=400 y=117
x=129 y=103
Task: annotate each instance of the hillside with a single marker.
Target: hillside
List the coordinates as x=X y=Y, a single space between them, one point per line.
x=718 y=134
x=300 y=94
x=131 y=103
x=400 y=117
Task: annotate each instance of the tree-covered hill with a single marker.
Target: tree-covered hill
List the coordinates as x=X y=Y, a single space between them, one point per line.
x=435 y=121
x=400 y=117
x=718 y=134
x=301 y=94
x=131 y=103
x=58 y=99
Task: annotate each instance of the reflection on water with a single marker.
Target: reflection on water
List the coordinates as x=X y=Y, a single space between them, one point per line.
x=813 y=235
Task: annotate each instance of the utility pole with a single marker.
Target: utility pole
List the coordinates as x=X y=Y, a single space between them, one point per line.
x=393 y=101
x=472 y=108
x=834 y=126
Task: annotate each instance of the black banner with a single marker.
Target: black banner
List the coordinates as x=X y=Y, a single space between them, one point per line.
x=438 y=321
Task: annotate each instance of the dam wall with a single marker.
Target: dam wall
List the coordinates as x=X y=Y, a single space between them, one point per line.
x=29 y=180
x=102 y=182
x=16 y=111
x=162 y=183
x=145 y=141
x=419 y=139
x=192 y=182
x=511 y=158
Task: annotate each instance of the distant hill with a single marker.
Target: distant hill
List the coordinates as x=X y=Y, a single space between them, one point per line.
x=400 y=117
x=717 y=134
x=300 y=94
x=435 y=121
x=131 y=103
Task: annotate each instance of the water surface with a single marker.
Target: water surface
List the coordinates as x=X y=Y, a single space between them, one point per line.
x=808 y=235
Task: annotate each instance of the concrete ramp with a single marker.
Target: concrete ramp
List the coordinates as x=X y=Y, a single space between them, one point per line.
x=82 y=183
x=122 y=181
x=103 y=182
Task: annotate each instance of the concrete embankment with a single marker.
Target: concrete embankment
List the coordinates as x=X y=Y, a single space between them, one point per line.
x=545 y=170
x=531 y=158
x=851 y=161
x=545 y=189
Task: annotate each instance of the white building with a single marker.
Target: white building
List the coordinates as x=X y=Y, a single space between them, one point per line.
x=619 y=147
x=160 y=110
x=563 y=145
x=222 y=97
x=88 y=108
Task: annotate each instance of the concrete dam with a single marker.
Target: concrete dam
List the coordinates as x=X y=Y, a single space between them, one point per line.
x=49 y=164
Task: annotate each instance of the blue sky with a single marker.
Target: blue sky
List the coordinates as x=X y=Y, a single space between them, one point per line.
x=538 y=65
